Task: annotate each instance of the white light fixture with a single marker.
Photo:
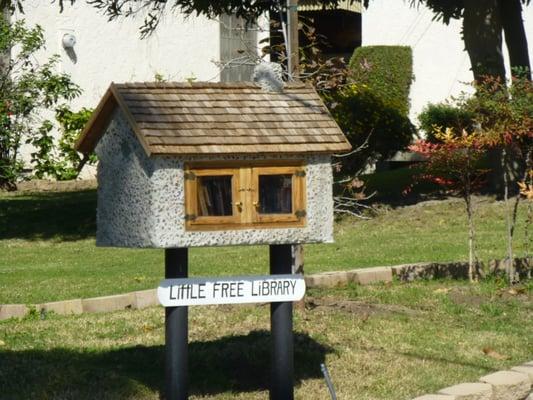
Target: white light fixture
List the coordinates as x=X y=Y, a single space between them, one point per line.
x=68 y=41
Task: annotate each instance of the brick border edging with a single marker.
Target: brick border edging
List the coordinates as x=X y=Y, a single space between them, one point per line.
x=513 y=384
x=415 y=271
x=133 y=300
x=46 y=185
x=363 y=276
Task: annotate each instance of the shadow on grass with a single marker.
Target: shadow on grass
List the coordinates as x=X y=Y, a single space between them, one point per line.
x=229 y=364
x=62 y=216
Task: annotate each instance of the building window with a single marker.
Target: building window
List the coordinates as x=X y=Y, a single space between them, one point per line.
x=247 y=196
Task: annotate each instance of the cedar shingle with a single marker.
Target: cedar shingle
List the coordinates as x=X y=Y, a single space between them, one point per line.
x=199 y=118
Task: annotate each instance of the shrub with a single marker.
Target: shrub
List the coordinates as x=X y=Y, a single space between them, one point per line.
x=364 y=116
x=387 y=71
x=59 y=159
x=442 y=116
x=372 y=107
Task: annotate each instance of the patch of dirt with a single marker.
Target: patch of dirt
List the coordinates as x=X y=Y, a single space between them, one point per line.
x=518 y=292
x=459 y=297
x=359 y=307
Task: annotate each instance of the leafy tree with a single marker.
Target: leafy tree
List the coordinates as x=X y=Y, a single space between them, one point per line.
x=497 y=116
x=153 y=10
x=26 y=88
x=504 y=116
x=454 y=164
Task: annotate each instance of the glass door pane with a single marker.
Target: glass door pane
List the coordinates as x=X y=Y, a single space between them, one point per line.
x=214 y=195
x=275 y=194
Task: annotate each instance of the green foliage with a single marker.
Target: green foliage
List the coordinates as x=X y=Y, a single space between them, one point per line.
x=26 y=88
x=154 y=10
x=72 y=123
x=387 y=71
x=377 y=128
x=60 y=160
x=372 y=107
x=446 y=10
x=503 y=113
x=444 y=115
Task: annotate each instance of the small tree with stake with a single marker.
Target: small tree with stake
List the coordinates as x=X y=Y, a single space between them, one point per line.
x=505 y=117
x=454 y=163
x=502 y=117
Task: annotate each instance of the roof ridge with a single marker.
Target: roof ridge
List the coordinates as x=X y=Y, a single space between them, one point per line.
x=201 y=84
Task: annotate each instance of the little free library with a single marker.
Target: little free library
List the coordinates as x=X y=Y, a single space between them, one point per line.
x=214 y=164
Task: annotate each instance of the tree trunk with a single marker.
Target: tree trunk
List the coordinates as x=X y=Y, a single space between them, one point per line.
x=5 y=55
x=472 y=273
x=472 y=265
x=515 y=35
x=510 y=258
x=482 y=34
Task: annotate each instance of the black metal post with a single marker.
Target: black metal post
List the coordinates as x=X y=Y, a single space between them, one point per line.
x=176 y=331
x=282 y=381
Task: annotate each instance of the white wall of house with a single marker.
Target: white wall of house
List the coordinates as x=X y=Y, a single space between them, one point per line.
x=440 y=64
x=113 y=51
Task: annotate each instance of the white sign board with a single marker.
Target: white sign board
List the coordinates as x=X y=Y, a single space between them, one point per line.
x=231 y=290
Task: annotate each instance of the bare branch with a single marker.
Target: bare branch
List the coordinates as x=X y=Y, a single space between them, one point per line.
x=363 y=146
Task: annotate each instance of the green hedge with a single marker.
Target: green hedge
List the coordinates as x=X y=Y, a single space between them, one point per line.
x=444 y=115
x=387 y=71
x=373 y=108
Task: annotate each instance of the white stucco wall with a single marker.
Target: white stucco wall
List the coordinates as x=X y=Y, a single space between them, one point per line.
x=108 y=51
x=440 y=63
x=113 y=51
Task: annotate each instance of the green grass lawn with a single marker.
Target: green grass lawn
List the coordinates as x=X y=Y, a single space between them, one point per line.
x=47 y=249
x=383 y=342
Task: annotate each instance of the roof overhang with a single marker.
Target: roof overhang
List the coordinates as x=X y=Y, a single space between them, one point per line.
x=175 y=118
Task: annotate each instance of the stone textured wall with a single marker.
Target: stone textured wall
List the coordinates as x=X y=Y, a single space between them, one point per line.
x=141 y=199
x=124 y=215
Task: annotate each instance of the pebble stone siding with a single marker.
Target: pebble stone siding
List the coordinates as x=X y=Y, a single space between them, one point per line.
x=141 y=199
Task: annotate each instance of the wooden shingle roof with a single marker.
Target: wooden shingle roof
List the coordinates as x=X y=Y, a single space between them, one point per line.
x=206 y=118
